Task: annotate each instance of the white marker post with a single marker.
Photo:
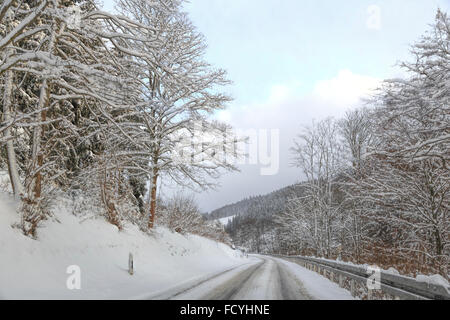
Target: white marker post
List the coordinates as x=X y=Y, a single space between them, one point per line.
x=130 y=264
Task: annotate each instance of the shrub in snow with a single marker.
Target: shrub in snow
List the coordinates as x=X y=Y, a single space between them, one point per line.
x=181 y=214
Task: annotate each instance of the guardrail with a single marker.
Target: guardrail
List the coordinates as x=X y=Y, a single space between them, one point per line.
x=355 y=278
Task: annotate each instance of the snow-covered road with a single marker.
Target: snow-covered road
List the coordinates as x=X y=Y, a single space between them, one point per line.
x=263 y=278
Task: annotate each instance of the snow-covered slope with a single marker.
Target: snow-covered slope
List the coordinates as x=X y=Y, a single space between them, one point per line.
x=32 y=269
x=225 y=220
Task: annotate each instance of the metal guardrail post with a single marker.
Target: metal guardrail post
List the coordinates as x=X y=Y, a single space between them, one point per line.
x=369 y=294
x=352 y=288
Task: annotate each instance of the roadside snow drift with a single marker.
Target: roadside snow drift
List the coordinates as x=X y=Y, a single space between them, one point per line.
x=38 y=269
x=319 y=287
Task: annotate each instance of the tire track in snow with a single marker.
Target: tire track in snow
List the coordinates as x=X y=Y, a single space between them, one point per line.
x=180 y=292
x=291 y=287
x=266 y=280
x=234 y=285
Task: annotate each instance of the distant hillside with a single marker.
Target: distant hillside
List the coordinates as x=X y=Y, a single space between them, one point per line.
x=262 y=205
x=253 y=224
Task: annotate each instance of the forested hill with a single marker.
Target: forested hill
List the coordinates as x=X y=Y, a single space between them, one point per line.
x=259 y=206
x=253 y=225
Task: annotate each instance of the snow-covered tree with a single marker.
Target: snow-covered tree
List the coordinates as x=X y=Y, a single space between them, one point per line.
x=319 y=155
x=172 y=136
x=109 y=97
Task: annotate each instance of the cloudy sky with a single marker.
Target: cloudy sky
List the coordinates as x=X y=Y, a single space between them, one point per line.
x=292 y=61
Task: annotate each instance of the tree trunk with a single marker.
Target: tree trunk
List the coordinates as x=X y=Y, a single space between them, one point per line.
x=39 y=131
x=439 y=246
x=44 y=97
x=11 y=154
x=153 y=198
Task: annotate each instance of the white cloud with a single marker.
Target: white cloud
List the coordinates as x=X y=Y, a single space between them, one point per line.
x=287 y=107
x=287 y=104
x=282 y=92
x=346 y=89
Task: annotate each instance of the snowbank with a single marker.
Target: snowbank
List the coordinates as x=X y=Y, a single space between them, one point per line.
x=431 y=279
x=225 y=221
x=37 y=269
x=434 y=279
x=317 y=285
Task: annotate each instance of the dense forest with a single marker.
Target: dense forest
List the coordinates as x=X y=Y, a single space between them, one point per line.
x=251 y=223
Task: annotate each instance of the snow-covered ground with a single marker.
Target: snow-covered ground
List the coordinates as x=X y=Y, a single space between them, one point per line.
x=31 y=269
x=167 y=265
x=317 y=285
x=435 y=279
x=225 y=220
x=265 y=278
